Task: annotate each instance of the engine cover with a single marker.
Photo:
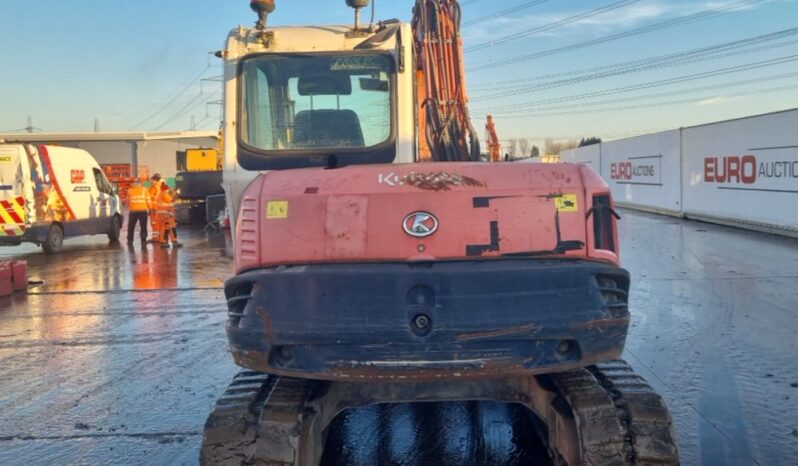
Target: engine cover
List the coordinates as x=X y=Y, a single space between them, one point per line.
x=424 y=212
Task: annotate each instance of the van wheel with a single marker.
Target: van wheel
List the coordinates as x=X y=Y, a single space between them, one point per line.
x=55 y=240
x=116 y=229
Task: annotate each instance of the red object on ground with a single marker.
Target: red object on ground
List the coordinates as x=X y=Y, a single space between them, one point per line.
x=19 y=275
x=6 y=287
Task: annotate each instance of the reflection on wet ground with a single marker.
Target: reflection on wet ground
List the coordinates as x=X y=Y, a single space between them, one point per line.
x=715 y=331
x=118 y=356
x=445 y=434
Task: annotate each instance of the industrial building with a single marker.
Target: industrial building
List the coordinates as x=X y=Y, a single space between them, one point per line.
x=145 y=152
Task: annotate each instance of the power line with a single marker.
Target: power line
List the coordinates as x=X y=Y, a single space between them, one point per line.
x=591 y=133
x=549 y=85
x=554 y=84
x=689 y=56
x=649 y=105
x=190 y=82
x=189 y=106
x=669 y=81
x=667 y=24
x=714 y=87
x=550 y=26
x=508 y=11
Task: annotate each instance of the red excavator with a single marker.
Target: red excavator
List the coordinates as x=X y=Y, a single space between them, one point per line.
x=494 y=146
x=378 y=261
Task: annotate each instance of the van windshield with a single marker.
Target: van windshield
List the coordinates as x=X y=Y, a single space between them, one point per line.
x=316 y=102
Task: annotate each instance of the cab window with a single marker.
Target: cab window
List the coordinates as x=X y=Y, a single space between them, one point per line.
x=103 y=185
x=327 y=103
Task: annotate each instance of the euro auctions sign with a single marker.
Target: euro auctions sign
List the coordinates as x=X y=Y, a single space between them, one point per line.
x=776 y=170
x=638 y=170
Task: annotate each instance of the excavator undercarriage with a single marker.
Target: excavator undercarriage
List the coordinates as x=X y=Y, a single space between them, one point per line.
x=600 y=415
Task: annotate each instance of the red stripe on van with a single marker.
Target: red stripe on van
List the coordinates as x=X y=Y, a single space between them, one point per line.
x=54 y=180
x=14 y=216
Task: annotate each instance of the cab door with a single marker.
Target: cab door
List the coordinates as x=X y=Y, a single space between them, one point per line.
x=15 y=190
x=103 y=204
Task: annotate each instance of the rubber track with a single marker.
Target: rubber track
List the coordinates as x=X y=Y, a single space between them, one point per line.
x=257 y=421
x=600 y=433
x=620 y=420
x=230 y=434
x=650 y=438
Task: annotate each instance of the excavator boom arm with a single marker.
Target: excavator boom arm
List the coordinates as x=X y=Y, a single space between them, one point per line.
x=445 y=129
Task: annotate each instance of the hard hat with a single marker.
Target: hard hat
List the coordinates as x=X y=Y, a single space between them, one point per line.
x=156 y=177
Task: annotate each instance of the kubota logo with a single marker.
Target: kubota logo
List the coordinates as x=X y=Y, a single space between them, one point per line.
x=420 y=224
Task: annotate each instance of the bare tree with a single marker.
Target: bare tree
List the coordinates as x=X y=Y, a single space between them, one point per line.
x=512 y=147
x=554 y=147
x=523 y=147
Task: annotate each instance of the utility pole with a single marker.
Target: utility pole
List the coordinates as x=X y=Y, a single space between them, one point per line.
x=193 y=125
x=29 y=128
x=96 y=125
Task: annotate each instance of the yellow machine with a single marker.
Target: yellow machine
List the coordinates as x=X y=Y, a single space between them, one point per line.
x=202 y=178
x=199 y=160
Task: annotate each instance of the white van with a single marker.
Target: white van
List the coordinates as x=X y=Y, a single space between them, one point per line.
x=48 y=193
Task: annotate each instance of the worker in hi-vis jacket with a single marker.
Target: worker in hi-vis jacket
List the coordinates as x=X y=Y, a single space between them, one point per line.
x=167 y=223
x=156 y=183
x=140 y=205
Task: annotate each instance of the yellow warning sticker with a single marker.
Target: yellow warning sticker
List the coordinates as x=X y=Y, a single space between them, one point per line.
x=277 y=210
x=567 y=203
x=6 y=158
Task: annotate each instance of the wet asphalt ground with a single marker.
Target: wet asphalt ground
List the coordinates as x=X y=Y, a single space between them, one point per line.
x=118 y=356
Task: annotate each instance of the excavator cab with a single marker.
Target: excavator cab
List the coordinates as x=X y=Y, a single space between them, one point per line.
x=303 y=110
x=315 y=103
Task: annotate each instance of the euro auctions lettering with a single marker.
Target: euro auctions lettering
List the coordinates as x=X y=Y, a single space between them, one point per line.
x=644 y=171
x=747 y=170
x=629 y=171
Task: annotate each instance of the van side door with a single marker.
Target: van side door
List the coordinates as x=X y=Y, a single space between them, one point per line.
x=104 y=205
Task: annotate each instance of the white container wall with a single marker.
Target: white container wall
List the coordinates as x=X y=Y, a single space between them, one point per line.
x=740 y=172
x=644 y=171
x=590 y=155
x=743 y=171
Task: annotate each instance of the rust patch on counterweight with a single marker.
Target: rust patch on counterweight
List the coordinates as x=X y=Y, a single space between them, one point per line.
x=502 y=332
x=268 y=327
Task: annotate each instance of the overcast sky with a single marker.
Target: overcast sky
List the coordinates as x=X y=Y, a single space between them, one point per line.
x=547 y=68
